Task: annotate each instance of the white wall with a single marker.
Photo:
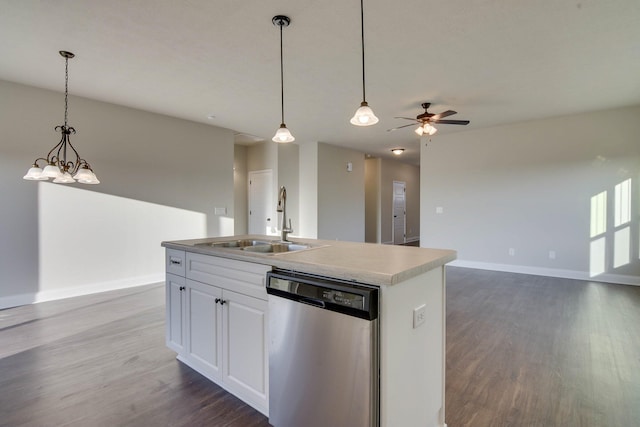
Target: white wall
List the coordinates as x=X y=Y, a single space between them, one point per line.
x=379 y=177
x=288 y=176
x=528 y=187
x=308 y=191
x=341 y=201
x=372 y=211
x=159 y=176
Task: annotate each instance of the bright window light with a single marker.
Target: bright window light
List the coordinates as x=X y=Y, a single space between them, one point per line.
x=598 y=214
x=622 y=213
x=621 y=247
x=597 y=257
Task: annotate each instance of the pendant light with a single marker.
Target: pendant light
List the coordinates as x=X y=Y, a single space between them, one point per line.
x=282 y=134
x=364 y=115
x=61 y=168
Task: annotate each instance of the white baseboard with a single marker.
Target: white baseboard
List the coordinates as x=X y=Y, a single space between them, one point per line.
x=94 y=288
x=550 y=272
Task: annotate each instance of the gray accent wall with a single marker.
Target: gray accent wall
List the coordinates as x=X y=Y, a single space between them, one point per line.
x=341 y=198
x=240 y=189
x=162 y=179
x=519 y=197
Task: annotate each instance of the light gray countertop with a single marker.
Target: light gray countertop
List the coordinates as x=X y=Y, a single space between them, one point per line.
x=370 y=263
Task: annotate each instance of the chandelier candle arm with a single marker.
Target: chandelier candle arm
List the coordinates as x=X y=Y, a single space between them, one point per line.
x=62 y=169
x=364 y=114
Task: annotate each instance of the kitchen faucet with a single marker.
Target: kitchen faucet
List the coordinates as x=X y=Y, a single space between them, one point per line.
x=282 y=207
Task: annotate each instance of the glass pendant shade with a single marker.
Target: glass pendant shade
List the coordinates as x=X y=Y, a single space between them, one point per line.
x=64 y=178
x=51 y=171
x=87 y=177
x=283 y=135
x=35 y=174
x=419 y=131
x=364 y=116
x=83 y=174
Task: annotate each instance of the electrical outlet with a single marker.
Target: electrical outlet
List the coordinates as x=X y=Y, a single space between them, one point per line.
x=552 y=254
x=439 y=209
x=220 y=211
x=512 y=252
x=419 y=315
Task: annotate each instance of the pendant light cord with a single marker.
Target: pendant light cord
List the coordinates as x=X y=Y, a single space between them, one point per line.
x=364 y=98
x=281 y=77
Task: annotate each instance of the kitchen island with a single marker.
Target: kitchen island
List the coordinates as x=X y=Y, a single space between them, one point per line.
x=217 y=314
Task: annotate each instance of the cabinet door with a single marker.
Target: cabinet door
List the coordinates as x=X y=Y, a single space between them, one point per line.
x=175 y=312
x=204 y=328
x=245 y=348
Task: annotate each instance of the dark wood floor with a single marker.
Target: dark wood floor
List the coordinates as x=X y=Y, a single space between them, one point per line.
x=521 y=351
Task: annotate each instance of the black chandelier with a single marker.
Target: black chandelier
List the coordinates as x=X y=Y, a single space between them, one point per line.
x=64 y=164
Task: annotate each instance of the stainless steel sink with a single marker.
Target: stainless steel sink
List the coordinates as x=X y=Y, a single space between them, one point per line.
x=236 y=244
x=258 y=246
x=276 y=247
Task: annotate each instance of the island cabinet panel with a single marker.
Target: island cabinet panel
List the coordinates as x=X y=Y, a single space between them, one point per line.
x=175 y=312
x=217 y=323
x=245 y=338
x=175 y=262
x=238 y=276
x=204 y=328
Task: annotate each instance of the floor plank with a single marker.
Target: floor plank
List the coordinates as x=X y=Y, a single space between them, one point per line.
x=521 y=351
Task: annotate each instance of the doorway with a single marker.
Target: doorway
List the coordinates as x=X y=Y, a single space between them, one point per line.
x=260 y=201
x=399 y=212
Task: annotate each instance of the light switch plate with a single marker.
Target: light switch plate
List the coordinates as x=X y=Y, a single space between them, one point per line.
x=220 y=211
x=419 y=315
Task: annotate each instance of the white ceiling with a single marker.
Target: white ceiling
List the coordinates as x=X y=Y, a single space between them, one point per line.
x=493 y=61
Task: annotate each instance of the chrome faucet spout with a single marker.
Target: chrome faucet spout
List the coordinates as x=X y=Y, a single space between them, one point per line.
x=282 y=207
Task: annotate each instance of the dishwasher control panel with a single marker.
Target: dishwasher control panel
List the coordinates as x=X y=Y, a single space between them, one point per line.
x=343 y=298
x=332 y=294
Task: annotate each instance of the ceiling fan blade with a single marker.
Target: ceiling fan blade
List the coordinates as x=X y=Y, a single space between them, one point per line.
x=407 y=118
x=451 y=122
x=443 y=115
x=400 y=127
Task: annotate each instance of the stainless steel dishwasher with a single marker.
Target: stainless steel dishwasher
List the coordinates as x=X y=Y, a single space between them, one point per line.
x=323 y=352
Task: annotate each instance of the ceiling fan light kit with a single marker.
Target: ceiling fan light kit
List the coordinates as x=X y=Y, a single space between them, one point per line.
x=426 y=129
x=426 y=120
x=364 y=115
x=63 y=169
x=282 y=134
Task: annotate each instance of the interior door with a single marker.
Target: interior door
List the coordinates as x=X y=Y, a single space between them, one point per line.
x=260 y=200
x=399 y=212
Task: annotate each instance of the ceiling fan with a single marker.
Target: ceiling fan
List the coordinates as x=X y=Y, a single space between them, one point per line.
x=427 y=119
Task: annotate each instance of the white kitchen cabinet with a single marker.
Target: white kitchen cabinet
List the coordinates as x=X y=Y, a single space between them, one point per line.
x=204 y=328
x=246 y=356
x=217 y=323
x=175 y=312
